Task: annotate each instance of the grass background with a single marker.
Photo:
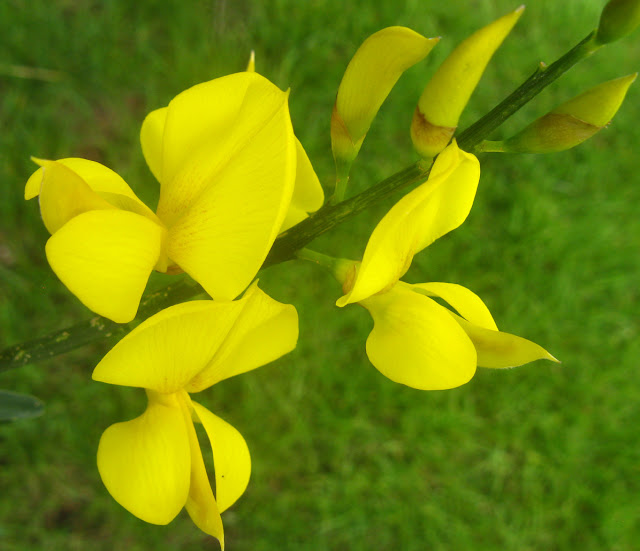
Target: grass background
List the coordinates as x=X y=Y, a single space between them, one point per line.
x=543 y=457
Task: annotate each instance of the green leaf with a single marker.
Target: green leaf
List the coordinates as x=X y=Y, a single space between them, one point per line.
x=14 y=406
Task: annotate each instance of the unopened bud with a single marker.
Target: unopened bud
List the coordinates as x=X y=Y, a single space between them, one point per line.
x=447 y=93
x=619 y=18
x=368 y=79
x=572 y=122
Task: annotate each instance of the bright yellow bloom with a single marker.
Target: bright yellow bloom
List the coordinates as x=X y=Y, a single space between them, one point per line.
x=153 y=465
x=367 y=81
x=447 y=93
x=415 y=340
x=227 y=162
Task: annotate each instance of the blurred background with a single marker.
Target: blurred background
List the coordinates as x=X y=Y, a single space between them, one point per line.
x=543 y=457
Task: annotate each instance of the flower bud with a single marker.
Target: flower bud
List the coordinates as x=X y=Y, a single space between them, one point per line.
x=447 y=93
x=619 y=18
x=368 y=79
x=572 y=122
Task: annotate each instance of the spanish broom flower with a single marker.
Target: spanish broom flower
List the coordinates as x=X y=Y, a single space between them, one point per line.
x=415 y=340
x=227 y=162
x=153 y=465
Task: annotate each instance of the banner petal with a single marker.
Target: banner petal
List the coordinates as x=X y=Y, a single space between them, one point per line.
x=223 y=238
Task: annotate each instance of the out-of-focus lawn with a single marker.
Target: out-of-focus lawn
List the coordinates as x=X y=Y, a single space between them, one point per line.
x=544 y=457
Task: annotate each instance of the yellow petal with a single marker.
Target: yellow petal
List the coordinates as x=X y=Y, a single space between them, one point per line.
x=468 y=304
x=68 y=187
x=264 y=331
x=413 y=341
x=230 y=457
x=450 y=88
x=151 y=139
x=201 y=505
x=368 y=79
x=167 y=350
x=431 y=210
x=307 y=192
x=97 y=176
x=145 y=463
x=64 y=195
x=223 y=238
x=205 y=128
x=104 y=257
x=499 y=350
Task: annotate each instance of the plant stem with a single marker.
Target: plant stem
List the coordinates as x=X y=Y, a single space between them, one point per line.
x=294 y=239
x=530 y=88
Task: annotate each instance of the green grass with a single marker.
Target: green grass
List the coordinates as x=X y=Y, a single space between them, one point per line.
x=543 y=457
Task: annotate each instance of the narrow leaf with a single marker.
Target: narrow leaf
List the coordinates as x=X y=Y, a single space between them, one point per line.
x=14 y=406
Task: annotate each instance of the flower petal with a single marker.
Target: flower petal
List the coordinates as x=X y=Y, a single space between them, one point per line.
x=223 y=238
x=71 y=186
x=264 y=331
x=467 y=303
x=104 y=257
x=413 y=341
x=367 y=81
x=308 y=195
x=151 y=139
x=205 y=128
x=167 y=350
x=201 y=505
x=499 y=350
x=431 y=210
x=145 y=463
x=64 y=194
x=230 y=457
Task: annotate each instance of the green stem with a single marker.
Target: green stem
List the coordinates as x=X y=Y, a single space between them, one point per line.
x=339 y=267
x=95 y=329
x=329 y=216
x=529 y=89
x=488 y=146
x=294 y=239
x=324 y=260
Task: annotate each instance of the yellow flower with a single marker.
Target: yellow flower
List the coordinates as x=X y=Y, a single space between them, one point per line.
x=227 y=162
x=415 y=340
x=153 y=465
